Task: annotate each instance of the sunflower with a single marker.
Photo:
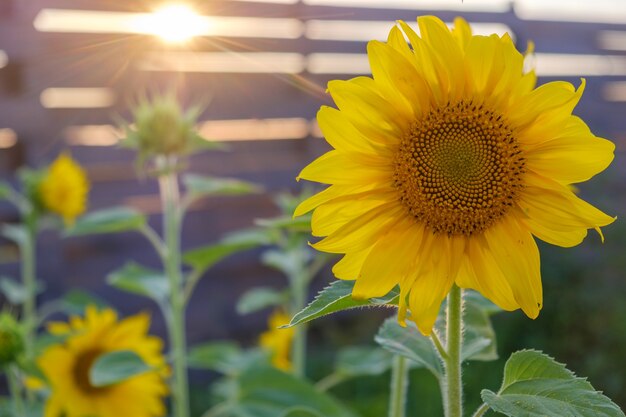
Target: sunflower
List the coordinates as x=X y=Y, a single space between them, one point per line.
x=446 y=165
x=64 y=188
x=66 y=367
x=278 y=341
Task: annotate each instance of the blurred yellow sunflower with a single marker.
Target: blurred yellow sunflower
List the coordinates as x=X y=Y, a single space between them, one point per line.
x=278 y=341
x=66 y=367
x=64 y=188
x=445 y=164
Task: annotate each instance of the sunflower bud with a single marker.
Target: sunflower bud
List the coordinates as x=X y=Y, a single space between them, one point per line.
x=162 y=128
x=11 y=340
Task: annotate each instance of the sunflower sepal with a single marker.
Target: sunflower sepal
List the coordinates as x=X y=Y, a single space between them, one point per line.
x=534 y=385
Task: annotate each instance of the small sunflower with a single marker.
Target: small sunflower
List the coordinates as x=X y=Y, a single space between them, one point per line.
x=64 y=188
x=278 y=341
x=446 y=165
x=66 y=367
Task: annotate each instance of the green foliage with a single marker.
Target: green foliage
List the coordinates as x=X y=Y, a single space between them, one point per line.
x=410 y=343
x=203 y=258
x=5 y=190
x=338 y=297
x=362 y=361
x=301 y=412
x=75 y=302
x=259 y=298
x=536 y=386
x=11 y=340
x=16 y=233
x=140 y=280
x=111 y=220
x=14 y=291
x=203 y=186
x=115 y=367
x=225 y=357
x=264 y=391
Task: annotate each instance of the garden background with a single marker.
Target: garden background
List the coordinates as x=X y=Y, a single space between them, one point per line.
x=260 y=71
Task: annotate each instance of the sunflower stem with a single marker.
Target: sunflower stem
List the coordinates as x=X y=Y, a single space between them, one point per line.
x=399 y=387
x=299 y=290
x=16 y=393
x=175 y=315
x=481 y=411
x=29 y=280
x=453 y=399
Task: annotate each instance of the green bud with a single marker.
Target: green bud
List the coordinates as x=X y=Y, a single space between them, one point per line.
x=161 y=128
x=11 y=340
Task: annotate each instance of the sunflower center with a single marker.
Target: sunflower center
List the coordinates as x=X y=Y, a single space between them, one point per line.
x=81 y=368
x=459 y=169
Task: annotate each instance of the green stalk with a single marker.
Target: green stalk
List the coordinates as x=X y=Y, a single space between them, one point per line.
x=29 y=280
x=453 y=399
x=299 y=290
x=399 y=387
x=16 y=393
x=175 y=315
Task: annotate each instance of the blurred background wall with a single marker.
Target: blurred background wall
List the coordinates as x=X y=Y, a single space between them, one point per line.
x=69 y=67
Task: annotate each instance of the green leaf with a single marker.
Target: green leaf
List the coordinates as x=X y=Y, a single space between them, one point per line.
x=362 y=360
x=268 y=392
x=299 y=224
x=410 y=343
x=202 y=186
x=75 y=302
x=15 y=232
x=225 y=357
x=479 y=339
x=201 y=259
x=477 y=299
x=5 y=189
x=289 y=262
x=259 y=298
x=112 y=220
x=338 y=297
x=12 y=290
x=140 y=280
x=115 y=367
x=252 y=236
x=535 y=385
x=301 y=412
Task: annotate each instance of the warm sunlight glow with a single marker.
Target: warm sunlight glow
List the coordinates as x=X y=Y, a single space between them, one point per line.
x=175 y=23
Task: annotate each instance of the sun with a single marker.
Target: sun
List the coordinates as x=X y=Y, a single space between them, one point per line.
x=174 y=23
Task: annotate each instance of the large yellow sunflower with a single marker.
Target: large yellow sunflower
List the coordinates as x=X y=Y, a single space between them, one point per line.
x=445 y=165
x=64 y=188
x=66 y=367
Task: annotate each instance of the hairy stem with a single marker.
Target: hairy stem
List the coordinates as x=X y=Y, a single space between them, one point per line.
x=454 y=339
x=399 y=387
x=175 y=315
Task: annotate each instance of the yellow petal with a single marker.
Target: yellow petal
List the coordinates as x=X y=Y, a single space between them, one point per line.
x=336 y=167
x=553 y=95
x=432 y=285
x=515 y=252
x=481 y=273
x=329 y=217
x=389 y=260
x=399 y=80
x=363 y=231
x=556 y=207
x=341 y=134
x=360 y=102
x=330 y=193
x=349 y=267
x=570 y=159
x=462 y=32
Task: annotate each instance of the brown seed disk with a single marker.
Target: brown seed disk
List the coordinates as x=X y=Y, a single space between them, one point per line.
x=459 y=169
